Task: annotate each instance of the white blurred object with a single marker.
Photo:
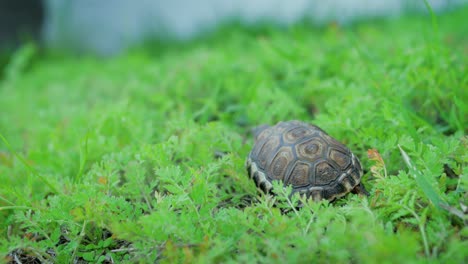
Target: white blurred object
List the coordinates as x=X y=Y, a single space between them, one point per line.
x=107 y=27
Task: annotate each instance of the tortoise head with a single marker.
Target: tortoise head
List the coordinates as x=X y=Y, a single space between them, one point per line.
x=256 y=131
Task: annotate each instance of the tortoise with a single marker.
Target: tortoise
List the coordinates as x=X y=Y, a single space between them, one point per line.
x=307 y=158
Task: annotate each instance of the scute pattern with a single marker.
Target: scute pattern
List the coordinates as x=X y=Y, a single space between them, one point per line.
x=305 y=157
x=267 y=150
x=340 y=158
x=293 y=135
x=325 y=173
x=299 y=175
x=264 y=134
x=312 y=149
x=279 y=163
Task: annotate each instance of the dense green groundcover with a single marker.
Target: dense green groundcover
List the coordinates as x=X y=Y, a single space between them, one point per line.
x=140 y=158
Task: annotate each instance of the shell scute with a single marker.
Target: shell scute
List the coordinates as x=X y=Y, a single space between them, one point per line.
x=305 y=157
x=312 y=149
x=280 y=162
x=340 y=158
x=300 y=174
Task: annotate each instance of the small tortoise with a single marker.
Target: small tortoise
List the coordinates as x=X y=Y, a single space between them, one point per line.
x=306 y=157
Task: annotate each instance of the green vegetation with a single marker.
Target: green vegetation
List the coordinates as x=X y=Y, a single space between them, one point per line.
x=141 y=157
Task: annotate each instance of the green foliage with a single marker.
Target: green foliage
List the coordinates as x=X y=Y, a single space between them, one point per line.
x=140 y=158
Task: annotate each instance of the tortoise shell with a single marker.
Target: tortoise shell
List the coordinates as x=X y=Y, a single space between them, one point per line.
x=305 y=157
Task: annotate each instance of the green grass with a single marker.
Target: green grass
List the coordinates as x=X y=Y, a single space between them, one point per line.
x=118 y=159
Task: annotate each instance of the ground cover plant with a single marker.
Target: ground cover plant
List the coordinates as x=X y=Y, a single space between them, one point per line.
x=140 y=158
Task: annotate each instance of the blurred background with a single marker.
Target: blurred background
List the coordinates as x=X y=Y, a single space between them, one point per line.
x=109 y=27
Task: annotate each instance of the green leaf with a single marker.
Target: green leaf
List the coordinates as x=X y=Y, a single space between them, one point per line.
x=422 y=182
